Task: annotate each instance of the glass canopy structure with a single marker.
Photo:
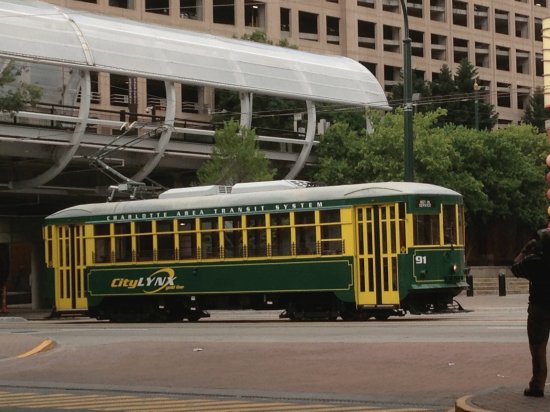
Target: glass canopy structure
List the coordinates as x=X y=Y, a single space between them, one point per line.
x=40 y=33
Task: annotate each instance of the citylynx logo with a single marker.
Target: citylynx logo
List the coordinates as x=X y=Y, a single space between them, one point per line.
x=162 y=280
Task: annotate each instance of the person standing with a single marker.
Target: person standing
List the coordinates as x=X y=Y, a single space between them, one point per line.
x=537 y=271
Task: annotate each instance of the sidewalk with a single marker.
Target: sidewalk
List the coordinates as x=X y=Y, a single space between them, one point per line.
x=507 y=399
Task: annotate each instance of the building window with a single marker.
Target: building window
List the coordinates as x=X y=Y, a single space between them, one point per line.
x=224 y=11
x=503 y=58
x=119 y=90
x=156 y=94
x=460 y=50
x=366 y=3
x=437 y=10
x=366 y=34
x=481 y=17
x=522 y=26
x=415 y=8
x=460 y=13
x=285 y=20
x=501 y=21
x=158 y=6
x=523 y=97
x=439 y=47
x=538 y=29
x=88 y=1
x=522 y=61
x=370 y=66
x=308 y=26
x=539 y=64
x=417 y=43
x=191 y=9
x=482 y=55
x=391 y=39
x=391 y=77
x=254 y=13
x=123 y=4
x=390 y=5
x=190 y=98
x=503 y=95
x=333 y=30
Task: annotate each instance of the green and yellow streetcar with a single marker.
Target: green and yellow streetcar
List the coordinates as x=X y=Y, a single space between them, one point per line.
x=354 y=252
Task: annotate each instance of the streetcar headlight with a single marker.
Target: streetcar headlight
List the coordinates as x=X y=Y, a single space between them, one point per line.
x=454 y=268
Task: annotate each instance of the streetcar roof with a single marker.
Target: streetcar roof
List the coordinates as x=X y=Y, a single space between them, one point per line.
x=331 y=196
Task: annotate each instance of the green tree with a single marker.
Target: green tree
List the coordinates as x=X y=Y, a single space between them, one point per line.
x=454 y=93
x=340 y=153
x=15 y=94
x=500 y=172
x=535 y=113
x=235 y=158
x=461 y=111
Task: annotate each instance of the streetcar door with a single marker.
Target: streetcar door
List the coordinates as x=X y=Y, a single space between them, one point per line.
x=70 y=268
x=377 y=249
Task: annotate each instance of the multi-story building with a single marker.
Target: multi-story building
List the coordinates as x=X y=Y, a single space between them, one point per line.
x=503 y=38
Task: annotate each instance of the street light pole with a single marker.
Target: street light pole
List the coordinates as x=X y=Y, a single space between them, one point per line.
x=407 y=98
x=476 y=104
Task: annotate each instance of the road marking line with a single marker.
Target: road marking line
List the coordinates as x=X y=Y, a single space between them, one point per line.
x=43 y=346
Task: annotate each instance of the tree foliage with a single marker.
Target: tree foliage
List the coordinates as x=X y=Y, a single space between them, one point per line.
x=235 y=158
x=14 y=93
x=535 y=113
x=456 y=94
x=500 y=172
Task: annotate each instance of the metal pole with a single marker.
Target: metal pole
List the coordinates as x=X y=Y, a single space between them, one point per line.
x=407 y=98
x=476 y=105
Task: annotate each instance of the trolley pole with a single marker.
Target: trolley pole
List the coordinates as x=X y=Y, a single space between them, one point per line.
x=407 y=98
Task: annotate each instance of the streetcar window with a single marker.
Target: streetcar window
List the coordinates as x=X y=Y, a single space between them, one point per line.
x=232 y=237
x=122 y=229
x=461 y=226
x=210 y=245
x=331 y=234
x=304 y=218
x=185 y=225
x=305 y=240
x=257 y=242
x=144 y=241
x=188 y=246
x=210 y=239
x=49 y=246
x=280 y=242
x=329 y=216
x=165 y=247
x=449 y=225
x=255 y=221
x=256 y=235
x=280 y=219
x=280 y=236
x=102 y=252
x=144 y=247
x=209 y=223
x=426 y=229
x=102 y=230
x=165 y=226
x=123 y=249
